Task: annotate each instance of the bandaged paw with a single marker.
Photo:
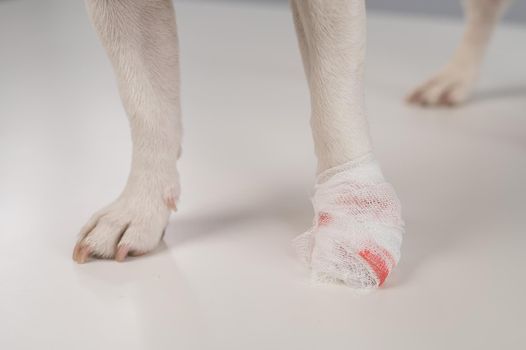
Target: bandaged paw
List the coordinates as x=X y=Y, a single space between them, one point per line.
x=357 y=230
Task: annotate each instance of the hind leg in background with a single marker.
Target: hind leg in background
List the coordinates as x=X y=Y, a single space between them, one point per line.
x=140 y=39
x=357 y=230
x=454 y=84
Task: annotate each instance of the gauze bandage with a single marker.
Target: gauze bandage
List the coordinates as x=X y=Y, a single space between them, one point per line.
x=357 y=230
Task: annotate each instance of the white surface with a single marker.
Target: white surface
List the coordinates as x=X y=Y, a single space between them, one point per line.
x=226 y=277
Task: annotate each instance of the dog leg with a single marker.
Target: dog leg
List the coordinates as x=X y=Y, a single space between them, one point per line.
x=454 y=84
x=357 y=229
x=141 y=40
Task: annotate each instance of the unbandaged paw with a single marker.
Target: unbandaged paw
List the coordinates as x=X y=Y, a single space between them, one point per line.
x=449 y=88
x=132 y=225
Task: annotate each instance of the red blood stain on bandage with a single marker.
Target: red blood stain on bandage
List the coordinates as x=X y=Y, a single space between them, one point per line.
x=377 y=263
x=324 y=218
x=365 y=201
x=372 y=202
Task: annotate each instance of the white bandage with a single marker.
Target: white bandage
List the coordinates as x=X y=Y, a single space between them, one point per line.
x=357 y=230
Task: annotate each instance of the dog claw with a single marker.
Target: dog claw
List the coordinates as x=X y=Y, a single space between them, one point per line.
x=83 y=255
x=122 y=253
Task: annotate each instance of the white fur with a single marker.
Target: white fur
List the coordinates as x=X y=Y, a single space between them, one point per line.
x=331 y=35
x=141 y=40
x=455 y=82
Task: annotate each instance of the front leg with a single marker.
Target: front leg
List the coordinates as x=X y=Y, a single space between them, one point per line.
x=141 y=41
x=357 y=229
x=454 y=84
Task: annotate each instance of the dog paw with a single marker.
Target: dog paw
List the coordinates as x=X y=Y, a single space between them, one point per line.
x=132 y=225
x=357 y=230
x=449 y=88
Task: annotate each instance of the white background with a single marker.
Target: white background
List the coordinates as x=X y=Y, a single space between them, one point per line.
x=225 y=276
